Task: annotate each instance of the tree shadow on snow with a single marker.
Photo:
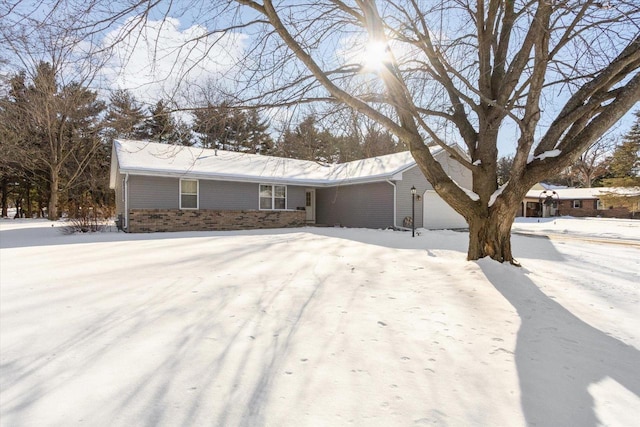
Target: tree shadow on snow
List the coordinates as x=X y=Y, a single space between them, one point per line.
x=46 y=235
x=246 y=347
x=558 y=356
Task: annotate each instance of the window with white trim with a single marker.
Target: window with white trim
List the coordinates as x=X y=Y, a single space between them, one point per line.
x=273 y=197
x=577 y=204
x=188 y=194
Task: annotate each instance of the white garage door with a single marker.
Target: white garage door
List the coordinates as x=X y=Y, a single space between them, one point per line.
x=438 y=214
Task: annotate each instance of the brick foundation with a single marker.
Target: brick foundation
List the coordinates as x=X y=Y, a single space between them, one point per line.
x=158 y=220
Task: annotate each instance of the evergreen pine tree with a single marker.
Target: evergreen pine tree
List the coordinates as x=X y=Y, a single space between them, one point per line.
x=231 y=129
x=58 y=135
x=160 y=126
x=125 y=118
x=258 y=138
x=625 y=162
x=307 y=142
x=624 y=168
x=205 y=126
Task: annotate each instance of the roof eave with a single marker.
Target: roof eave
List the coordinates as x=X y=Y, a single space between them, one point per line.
x=259 y=179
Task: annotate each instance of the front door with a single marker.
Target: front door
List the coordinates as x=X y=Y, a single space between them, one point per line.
x=310 y=205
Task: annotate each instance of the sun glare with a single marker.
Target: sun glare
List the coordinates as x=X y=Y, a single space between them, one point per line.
x=376 y=55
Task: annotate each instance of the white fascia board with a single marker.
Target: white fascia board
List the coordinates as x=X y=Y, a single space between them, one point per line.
x=222 y=177
x=354 y=181
x=257 y=179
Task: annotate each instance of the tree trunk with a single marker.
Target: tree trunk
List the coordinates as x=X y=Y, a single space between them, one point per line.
x=28 y=197
x=490 y=236
x=52 y=209
x=5 y=197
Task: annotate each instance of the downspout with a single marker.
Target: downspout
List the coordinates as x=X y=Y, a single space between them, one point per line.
x=395 y=203
x=126 y=202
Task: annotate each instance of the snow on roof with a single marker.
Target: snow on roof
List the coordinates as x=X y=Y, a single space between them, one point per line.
x=582 y=193
x=150 y=158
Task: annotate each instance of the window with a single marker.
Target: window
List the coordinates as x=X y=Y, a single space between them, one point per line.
x=273 y=197
x=577 y=204
x=188 y=194
x=600 y=205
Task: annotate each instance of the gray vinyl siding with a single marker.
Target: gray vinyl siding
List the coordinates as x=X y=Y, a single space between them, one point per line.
x=226 y=195
x=151 y=192
x=147 y=192
x=363 y=205
x=411 y=177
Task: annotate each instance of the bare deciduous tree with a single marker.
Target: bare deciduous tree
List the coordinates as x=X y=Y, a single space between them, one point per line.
x=495 y=62
x=592 y=163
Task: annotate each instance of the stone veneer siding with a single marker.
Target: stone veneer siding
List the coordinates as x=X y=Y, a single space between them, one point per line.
x=158 y=220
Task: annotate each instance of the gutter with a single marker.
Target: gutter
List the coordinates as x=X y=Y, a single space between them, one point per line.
x=125 y=191
x=395 y=202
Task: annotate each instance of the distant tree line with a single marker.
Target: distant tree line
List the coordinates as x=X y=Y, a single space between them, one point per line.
x=56 y=137
x=55 y=143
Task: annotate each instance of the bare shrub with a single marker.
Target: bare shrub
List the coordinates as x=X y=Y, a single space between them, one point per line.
x=87 y=220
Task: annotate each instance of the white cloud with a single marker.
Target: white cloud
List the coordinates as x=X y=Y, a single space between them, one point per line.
x=160 y=60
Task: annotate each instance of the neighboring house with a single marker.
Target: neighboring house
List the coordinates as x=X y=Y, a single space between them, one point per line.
x=163 y=187
x=547 y=201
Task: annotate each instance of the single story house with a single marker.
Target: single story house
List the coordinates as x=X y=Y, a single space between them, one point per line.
x=162 y=187
x=548 y=201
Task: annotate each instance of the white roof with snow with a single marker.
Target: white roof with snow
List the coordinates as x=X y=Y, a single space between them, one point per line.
x=150 y=158
x=583 y=193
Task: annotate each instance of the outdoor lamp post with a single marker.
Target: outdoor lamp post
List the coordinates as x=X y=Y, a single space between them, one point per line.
x=413 y=211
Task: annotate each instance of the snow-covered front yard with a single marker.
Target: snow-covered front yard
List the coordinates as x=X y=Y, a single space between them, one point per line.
x=319 y=327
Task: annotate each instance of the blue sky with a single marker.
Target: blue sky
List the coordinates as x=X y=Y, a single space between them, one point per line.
x=162 y=62
x=161 y=72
